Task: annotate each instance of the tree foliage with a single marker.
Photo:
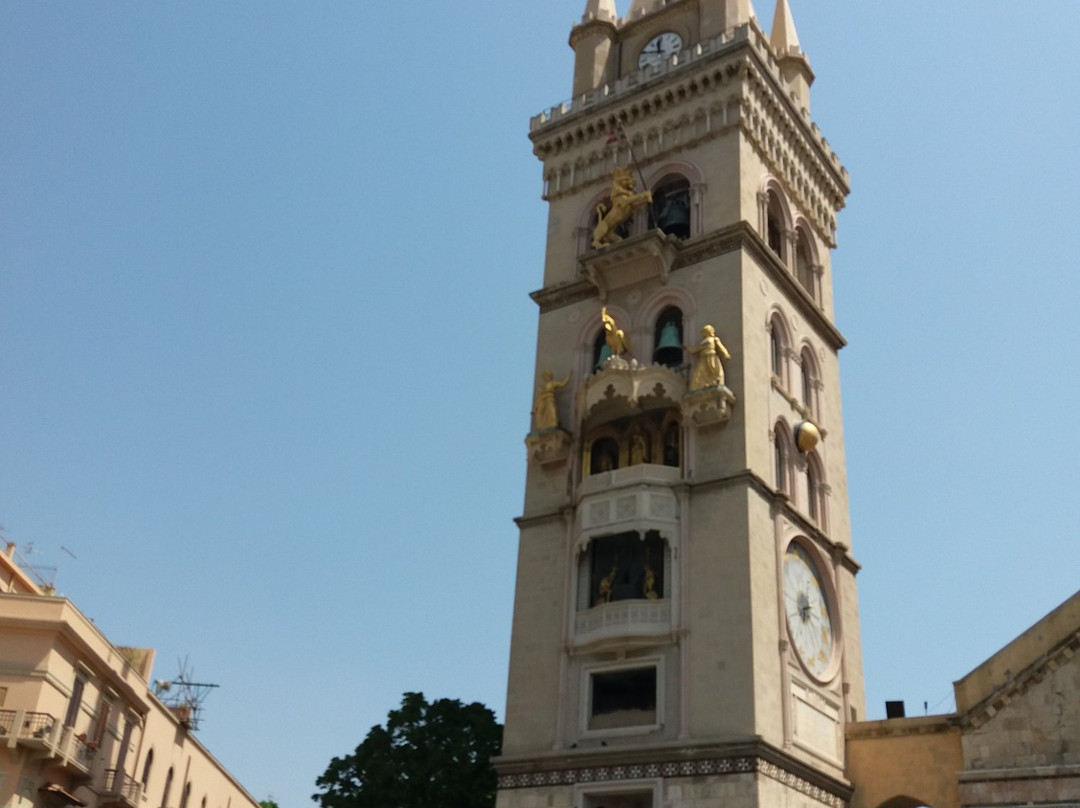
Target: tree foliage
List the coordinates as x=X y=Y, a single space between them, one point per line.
x=433 y=755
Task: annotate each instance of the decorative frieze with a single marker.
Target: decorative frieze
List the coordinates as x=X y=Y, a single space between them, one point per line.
x=719 y=766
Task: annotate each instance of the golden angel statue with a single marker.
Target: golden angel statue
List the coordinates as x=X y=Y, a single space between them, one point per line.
x=545 y=415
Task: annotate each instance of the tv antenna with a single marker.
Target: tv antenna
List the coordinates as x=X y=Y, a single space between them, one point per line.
x=183 y=695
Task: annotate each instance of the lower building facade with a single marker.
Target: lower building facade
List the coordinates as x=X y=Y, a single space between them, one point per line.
x=79 y=722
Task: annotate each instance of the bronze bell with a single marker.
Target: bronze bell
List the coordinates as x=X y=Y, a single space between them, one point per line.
x=669 y=349
x=674 y=216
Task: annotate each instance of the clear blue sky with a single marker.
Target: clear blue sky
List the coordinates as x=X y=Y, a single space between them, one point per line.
x=266 y=345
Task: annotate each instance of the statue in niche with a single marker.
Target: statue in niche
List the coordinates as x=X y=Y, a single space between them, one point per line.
x=614 y=336
x=606 y=584
x=624 y=203
x=639 y=448
x=708 y=372
x=648 y=588
x=545 y=414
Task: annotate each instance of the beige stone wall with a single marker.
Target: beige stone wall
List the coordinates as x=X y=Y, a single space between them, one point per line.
x=47 y=644
x=913 y=758
x=1039 y=727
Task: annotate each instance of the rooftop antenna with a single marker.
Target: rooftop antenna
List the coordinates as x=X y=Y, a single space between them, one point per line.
x=183 y=695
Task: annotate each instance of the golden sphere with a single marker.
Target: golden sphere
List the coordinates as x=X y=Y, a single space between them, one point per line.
x=806 y=436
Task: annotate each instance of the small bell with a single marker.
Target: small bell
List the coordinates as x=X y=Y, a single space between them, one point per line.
x=674 y=216
x=669 y=350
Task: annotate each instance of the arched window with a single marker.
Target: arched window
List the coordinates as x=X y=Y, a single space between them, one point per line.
x=185 y=795
x=815 y=490
x=600 y=352
x=671 y=205
x=668 y=338
x=167 y=789
x=774 y=225
x=778 y=348
x=781 y=453
x=804 y=263
x=146 y=768
x=809 y=381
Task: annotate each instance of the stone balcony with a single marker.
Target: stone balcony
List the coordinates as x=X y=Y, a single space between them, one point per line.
x=623 y=621
x=41 y=735
x=639 y=498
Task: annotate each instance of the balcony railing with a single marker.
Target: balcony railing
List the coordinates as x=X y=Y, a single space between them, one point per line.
x=37 y=727
x=7 y=722
x=82 y=751
x=623 y=619
x=121 y=787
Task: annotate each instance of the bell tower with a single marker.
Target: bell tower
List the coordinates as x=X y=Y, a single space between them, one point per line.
x=685 y=626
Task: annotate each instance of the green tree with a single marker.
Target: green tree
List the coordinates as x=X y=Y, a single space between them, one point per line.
x=268 y=803
x=435 y=755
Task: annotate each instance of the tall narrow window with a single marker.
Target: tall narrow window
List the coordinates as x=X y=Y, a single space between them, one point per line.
x=780 y=458
x=774 y=226
x=102 y=722
x=125 y=741
x=147 y=766
x=812 y=486
x=804 y=267
x=185 y=794
x=809 y=381
x=76 y=701
x=778 y=348
x=167 y=789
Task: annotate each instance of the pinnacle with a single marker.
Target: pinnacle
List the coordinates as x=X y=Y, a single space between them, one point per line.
x=599 y=10
x=783 y=37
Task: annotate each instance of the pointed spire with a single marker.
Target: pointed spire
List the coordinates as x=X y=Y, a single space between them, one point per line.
x=599 y=10
x=784 y=37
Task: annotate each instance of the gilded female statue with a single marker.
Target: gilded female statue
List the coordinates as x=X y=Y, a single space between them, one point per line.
x=545 y=415
x=708 y=372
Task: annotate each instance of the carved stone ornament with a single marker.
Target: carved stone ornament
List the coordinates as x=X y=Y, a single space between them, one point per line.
x=548 y=447
x=636 y=259
x=708 y=407
x=625 y=388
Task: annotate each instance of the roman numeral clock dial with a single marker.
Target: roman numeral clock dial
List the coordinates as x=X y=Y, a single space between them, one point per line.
x=659 y=49
x=807 y=607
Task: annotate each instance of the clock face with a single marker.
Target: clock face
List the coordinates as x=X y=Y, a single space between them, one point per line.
x=807 y=607
x=659 y=49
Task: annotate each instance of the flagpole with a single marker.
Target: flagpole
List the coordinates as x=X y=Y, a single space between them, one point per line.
x=641 y=176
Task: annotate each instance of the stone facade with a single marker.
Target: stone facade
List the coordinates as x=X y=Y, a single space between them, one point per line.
x=79 y=724
x=690 y=688
x=1014 y=740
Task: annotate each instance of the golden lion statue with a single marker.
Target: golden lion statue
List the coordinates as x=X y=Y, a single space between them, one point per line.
x=624 y=203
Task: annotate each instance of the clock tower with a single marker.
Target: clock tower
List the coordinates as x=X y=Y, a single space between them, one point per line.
x=686 y=621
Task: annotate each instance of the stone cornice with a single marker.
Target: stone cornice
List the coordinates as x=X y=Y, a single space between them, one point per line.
x=612 y=765
x=711 y=67
x=729 y=239
x=985 y=710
